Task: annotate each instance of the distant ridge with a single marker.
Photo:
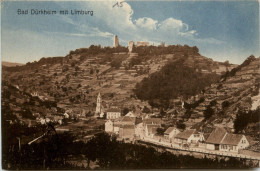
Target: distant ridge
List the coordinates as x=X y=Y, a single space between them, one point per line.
x=11 y=64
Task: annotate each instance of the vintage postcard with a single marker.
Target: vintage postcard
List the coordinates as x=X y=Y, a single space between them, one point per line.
x=130 y=85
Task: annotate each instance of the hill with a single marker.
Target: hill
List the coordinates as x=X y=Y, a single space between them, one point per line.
x=175 y=79
x=75 y=80
x=10 y=64
x=225 y=102
x=22 y=107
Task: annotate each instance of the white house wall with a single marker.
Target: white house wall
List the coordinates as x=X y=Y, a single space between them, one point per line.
x=243 y=145
x=231 y=148
x=113 y=115
x=210 y=146
x=109 y=127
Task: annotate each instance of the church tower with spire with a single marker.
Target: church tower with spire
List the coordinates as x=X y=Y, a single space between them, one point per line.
x=99 y=110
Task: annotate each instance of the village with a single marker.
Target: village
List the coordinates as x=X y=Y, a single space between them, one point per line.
x=132 y=127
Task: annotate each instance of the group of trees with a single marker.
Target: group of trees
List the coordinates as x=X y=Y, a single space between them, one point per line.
x=97 y=49
x=234 y=70
x=244 y=118
x=172 y=81
x=161 y=50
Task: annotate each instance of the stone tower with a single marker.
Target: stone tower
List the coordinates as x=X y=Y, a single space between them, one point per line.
x=99 y=106
x=130 y=46
x=116 y=42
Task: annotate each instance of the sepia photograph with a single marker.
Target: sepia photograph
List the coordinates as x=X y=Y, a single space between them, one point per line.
x=130 y=85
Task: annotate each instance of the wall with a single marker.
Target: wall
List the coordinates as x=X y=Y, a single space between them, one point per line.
x=210 y=147
x=231 y=148
x=173 y=133
x=248 y=152
x=243 y=145
x=109 y=126
x=113 y=115
x=116 y=130
x=193 y=139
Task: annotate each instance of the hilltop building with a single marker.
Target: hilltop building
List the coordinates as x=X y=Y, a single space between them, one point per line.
x=130 y=46
x=99 y=108
x=162 y=44
x=116 y=41
x=140 y=43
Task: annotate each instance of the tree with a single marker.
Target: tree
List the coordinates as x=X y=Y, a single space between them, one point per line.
x=160 y=131
x=213 y=103
x=240 y=122
x=77 y=68
x=125 y=111
x=162 y=112
x=146 y=110
x=225 y=104
x=91 y=71
x=180 y=125
x=208 y=112
x=244 y=118
x=116 y=63
x=90 y=151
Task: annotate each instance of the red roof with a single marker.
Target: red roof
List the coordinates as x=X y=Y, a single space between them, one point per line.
x=114 y=110
x=232 y=139
x=185 y=134
x=153 y=121
x=128 y=127
x=169 y=130
x=216 y=136
x=125 y=120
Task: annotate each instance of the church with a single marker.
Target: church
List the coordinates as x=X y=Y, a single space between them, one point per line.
x=99 y=108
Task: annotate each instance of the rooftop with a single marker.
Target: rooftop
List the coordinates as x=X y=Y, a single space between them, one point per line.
x=232 y=139
x=185 y=134
x=153 y=121
x=216 y=136
x=169 y=130
x=114 y=110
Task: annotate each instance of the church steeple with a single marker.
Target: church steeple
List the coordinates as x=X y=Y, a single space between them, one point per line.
x=99 y=106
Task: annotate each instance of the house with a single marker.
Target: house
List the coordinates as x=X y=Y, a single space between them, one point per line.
x=125 y=120
x=233 y=142
x=170 y=133
x=127 y=132
x=139 y=129
x=195 y=137
x=130 y=114
x=214 y=140
x=204 y=134
x=113 y=113
x=184 y=137
x=151 y=130
x=60 y=121
x=142 y=43
x=66 y=115
x=109 y=126
x=120 y=122
x=152 y=121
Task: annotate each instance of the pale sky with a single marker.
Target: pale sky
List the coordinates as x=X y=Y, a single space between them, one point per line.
x=221 y=30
